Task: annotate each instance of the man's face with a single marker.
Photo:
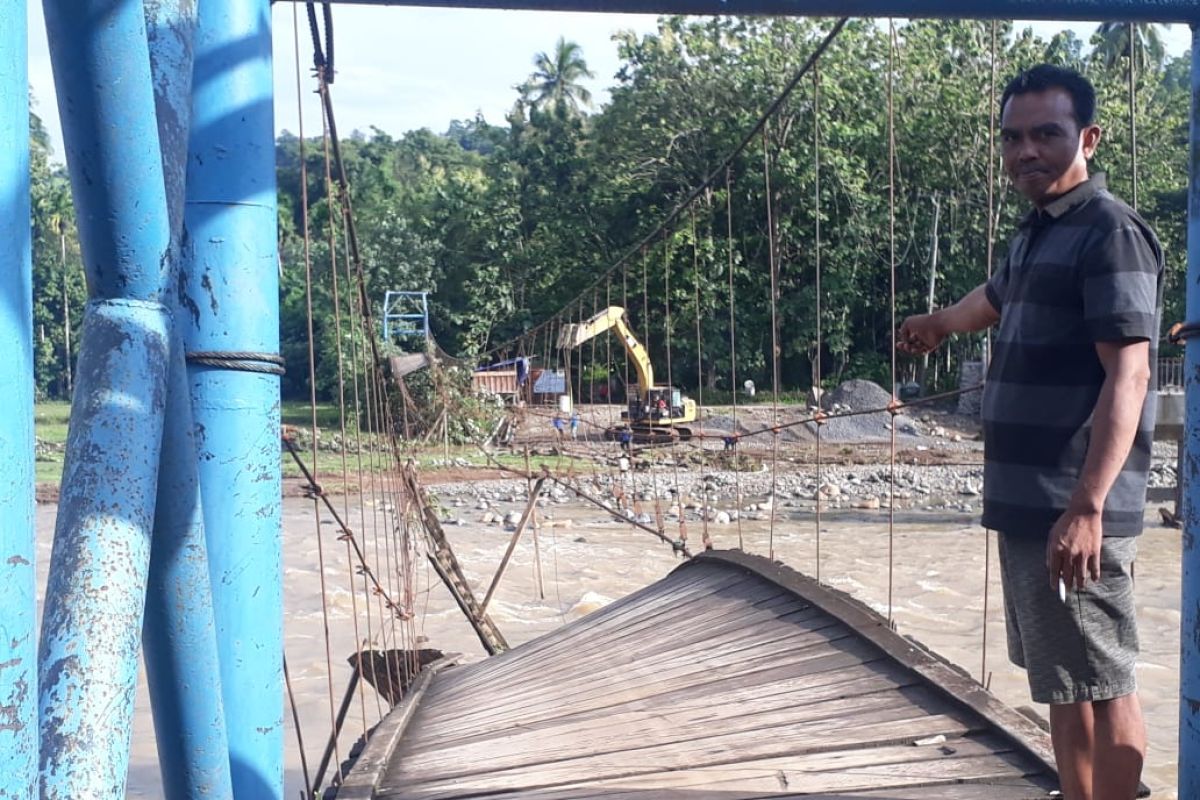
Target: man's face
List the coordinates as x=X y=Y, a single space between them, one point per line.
x=1045 y=151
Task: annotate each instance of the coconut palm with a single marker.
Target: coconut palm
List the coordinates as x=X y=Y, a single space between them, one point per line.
x=1112 y=44
x=555 y=82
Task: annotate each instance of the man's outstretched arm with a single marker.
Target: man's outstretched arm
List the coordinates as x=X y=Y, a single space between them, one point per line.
x=923 y=333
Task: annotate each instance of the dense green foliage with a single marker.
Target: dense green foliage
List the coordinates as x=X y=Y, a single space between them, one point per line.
x=509 y=224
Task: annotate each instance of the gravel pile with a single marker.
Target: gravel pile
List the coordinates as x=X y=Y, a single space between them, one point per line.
x=723 y=423
x=860 y=395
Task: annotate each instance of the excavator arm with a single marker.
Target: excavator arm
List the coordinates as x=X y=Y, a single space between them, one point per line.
x=656 y=412
x=613 y=317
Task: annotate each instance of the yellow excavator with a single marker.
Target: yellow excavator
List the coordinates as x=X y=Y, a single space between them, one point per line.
x=655 y=413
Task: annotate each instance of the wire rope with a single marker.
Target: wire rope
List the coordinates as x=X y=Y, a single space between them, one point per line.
x=1133 y=145
x=670 y=389
x=891 y=129
x=308 y=268
x=817 y=280
x=705 y=538
x=341 y=387
x=312 y=381
x=774 y=288
x=733 y=384
x=987 y=346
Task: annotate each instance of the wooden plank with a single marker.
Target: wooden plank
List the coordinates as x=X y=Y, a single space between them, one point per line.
x=715 y=686
x=809 y=725
x=582 y=727
x=748 y=781
x=638 y=642
x=844 y=772
x=1019 y=790
x=671 y=596
x=792 y=682
x=609 y=635
x=897 y=726
x=575 y=679
x=607 y=687
x=954 y=684
x=667 y=726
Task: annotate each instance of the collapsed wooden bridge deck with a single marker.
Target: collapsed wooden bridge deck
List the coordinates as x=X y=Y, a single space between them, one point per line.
x=733 y=677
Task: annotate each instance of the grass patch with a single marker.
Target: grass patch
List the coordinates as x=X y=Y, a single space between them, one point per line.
x=47 y=471
x=299 y=413
x=50 y=420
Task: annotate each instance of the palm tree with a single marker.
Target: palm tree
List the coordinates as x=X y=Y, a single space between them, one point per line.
x=1065 y=49
x=1112 y=44
x=555 y=82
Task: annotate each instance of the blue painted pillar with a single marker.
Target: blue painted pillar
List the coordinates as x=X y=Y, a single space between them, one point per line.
x=1189 y=639
x=179 y=635
x=18 y=644
x=231 y=304
x=92 y=622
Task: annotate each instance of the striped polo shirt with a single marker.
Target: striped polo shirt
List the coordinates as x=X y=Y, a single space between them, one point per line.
x=1084 y=269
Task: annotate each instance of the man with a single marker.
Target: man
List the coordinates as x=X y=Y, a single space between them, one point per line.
x=1068 y=413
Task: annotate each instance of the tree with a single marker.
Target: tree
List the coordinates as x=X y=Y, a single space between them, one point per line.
x=1066 y=50
x=510 y=225
x=555 y=83
x=1111 y=42
x=58 y=283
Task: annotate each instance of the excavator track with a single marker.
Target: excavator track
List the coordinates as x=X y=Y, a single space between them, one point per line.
x=650 y=435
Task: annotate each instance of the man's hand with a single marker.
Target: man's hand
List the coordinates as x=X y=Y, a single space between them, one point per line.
x=1073 y=549
x=921 y=334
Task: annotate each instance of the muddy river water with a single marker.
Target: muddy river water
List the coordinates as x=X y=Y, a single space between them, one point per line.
x=936 y=581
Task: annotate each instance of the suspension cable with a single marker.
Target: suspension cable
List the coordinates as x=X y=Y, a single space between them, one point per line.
x=733 y=384
x=891 y=126
x=705 y=538
x=1133 y=147
x=987 y=346
x=312 y=381
x=817 y=256
x=308 y=787
x=774 y=270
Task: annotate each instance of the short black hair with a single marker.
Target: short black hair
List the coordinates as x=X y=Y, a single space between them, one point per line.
x=1047 y=76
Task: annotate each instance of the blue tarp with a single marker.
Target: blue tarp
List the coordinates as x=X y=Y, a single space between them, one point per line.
x=550 y=383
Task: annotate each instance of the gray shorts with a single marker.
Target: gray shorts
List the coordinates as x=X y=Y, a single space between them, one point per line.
x=1079 y=650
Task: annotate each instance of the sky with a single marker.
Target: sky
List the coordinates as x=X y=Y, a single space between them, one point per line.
x=399 y=69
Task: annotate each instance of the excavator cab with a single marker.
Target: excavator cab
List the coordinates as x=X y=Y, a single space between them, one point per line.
x=661 y=405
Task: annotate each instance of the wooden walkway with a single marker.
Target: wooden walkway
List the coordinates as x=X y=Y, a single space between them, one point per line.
x=731 y=678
